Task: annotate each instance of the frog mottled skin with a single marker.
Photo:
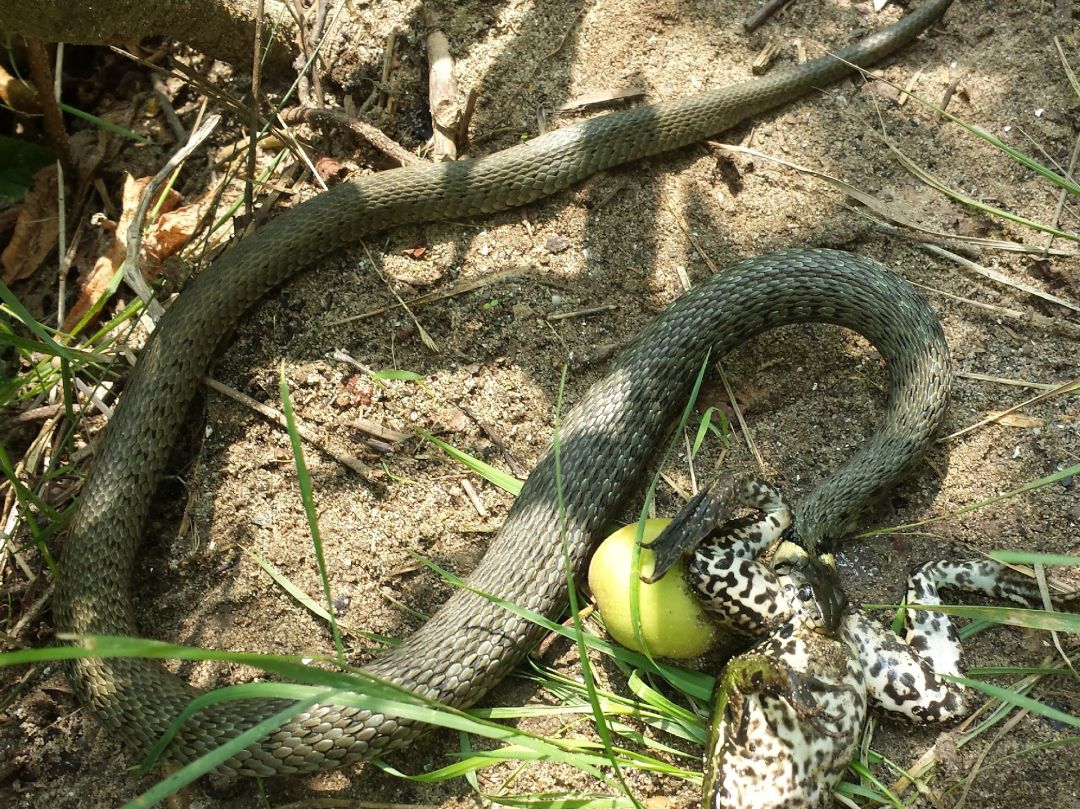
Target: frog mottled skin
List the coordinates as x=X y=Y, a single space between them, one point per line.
x=787 y=713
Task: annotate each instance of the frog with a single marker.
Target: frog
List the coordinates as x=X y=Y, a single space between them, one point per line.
x=787 y=713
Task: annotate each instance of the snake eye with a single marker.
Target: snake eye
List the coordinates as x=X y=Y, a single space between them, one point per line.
x=806 y=593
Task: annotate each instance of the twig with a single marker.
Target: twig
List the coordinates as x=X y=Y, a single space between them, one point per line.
x=132 y=272
x=739 y=417
x=1062 y=193
x=466 y=119
x=946 y=97
x=35 y=414
x=42 y=76
x=522 y=84
x=431 y=297
x=754 y=21
x=32 y=612
x=1013 y=314
x=303 y=60
x=474 y=498
x=1003 y=731
x=905 y=94
x=355 y=464
x=592 y=310
x=425 y=338
x=1068 y=387
x=386 y=100
x=253 y=111
x=442 y=96
x=157 y=87
x=495 y=439
x=331 y=118
x=994 y=275
x=764 y=58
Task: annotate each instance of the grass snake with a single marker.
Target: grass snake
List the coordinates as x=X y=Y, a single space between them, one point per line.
x=606 y=441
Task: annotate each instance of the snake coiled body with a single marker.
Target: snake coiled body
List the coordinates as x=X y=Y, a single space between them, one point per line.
x=606 y=440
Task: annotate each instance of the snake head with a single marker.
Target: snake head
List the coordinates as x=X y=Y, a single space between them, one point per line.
x=703 y=514
x=818 y=588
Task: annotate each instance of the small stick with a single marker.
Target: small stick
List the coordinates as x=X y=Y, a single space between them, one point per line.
x=905 y=94
x=474 y=498
x=495 y=439
x=385 y=99
x=431 y=297
x=379 y=431
x=32 y=612
x=132 y=273
x=327 y=118
x=764 y=58
x=157 y=87
x=755 y=20
x=42 y=76
x=36 y=414
x=592 y=310
x=466 y=118
x=1035 y=318
x=800 y=51
x=949 y=92
x=353 y=463
x=442 y=97
x=253 y=112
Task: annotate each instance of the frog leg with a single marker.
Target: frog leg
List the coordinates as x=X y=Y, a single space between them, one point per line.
x=899 y=679
x=724 y=573
x=932 y=634
x=988 y=578
x=902 y=675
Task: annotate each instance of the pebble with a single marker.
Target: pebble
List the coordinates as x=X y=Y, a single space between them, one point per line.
x=556 y=244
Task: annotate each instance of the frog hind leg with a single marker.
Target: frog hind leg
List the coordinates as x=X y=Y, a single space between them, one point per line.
x=899 y=679
x=902 y=675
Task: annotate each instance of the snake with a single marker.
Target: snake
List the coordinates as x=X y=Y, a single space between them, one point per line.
x=607 y=439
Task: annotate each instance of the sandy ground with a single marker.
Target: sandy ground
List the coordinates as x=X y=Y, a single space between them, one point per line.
x=621 y=241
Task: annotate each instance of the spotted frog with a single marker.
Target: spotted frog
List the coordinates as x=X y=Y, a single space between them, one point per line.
x=787 y=713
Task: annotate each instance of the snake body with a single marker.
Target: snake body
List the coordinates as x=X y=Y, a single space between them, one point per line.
x=606 y=440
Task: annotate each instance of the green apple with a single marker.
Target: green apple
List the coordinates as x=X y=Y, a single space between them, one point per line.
x=673 y=622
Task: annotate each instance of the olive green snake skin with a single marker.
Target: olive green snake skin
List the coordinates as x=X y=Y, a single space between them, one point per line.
x=606 y=440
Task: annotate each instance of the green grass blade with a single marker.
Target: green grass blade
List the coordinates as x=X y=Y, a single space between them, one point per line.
x=308 y=497
x=494 y=476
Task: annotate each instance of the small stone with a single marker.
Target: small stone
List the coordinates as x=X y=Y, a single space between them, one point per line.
x=556 y=244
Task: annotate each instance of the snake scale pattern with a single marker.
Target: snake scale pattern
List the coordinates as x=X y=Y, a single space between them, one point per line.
x=607 y=439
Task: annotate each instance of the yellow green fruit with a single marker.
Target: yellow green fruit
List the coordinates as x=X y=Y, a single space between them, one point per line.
x=672 y=620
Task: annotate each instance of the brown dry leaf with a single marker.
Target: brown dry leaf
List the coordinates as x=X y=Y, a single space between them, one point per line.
x=36 y=230
x=1017 y=420
x=18 y=94
x=164 y=237
x=331 y=171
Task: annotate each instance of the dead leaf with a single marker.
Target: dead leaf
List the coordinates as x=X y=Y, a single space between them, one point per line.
x=36 y=230
x=331 y=171
x=163 y=238
x=1016 y=420
x=18 y=94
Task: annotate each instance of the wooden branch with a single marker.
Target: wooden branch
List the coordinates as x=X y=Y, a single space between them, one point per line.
x=223 y=29
x=442 y=97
